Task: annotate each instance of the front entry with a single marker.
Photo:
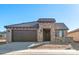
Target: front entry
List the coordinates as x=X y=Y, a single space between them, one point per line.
x=46 y=34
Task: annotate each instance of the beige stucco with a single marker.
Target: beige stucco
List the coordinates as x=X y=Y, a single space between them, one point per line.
x=74 y=35
x=9 y=35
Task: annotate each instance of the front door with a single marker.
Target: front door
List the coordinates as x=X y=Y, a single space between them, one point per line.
x=46 y=34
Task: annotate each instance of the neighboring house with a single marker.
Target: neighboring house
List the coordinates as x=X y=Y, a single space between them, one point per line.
x=2 y=37
x=74 y=34
x=44 y=29
x=3 y=34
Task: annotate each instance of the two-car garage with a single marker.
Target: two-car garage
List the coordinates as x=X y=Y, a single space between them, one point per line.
x=24 y=35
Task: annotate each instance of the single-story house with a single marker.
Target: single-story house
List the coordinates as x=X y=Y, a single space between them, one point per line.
x=44 y=29
x=74 y=34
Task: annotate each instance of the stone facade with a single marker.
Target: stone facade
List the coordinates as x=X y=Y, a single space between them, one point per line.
x=45 y=26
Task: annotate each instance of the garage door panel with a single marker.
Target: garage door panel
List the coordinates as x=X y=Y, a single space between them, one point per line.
x=24 y=35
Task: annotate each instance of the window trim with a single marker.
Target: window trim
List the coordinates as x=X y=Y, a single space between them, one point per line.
x=59 y=33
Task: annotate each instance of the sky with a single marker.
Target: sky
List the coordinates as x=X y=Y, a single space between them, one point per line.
x=19 y=13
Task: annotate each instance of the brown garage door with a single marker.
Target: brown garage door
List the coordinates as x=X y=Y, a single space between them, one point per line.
x=24 y=35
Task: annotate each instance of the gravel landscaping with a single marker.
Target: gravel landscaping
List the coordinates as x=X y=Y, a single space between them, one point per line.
x=53 y=46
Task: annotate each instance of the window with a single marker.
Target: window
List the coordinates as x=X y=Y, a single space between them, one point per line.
x=59 y=33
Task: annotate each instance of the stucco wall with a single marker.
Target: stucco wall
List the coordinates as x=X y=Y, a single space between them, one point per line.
x=74 y=35
x=9 y=35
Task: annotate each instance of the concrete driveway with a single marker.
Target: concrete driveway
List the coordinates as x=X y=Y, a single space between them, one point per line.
x=24 y=48
x=16 y=46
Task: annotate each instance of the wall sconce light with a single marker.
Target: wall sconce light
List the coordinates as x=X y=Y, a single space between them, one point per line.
x=40 y=30
x=8 y=30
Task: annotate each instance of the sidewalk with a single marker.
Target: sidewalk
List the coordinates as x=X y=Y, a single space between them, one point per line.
x=43 y=52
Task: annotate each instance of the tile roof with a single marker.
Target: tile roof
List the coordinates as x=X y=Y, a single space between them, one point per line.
x=46 y=19
x=34 y=24
x=61 y=26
